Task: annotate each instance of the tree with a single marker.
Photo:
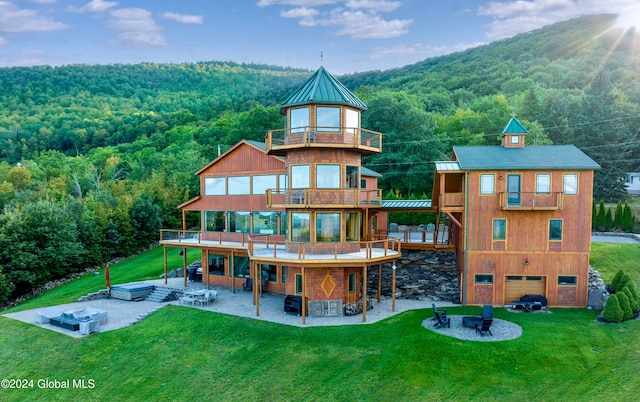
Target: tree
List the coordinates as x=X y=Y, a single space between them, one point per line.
x=6 y=288
x=612 y=310
x=602 y=218
x=625 y=305
x=608 y=220
x=616 y=280
x=145 y=220
x=633 y=301
x=617 y=220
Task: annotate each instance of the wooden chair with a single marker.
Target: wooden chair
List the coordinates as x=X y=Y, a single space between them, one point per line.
x=484 y=327
x=442 y=320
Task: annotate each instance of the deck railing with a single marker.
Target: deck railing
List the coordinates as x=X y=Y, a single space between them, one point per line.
x=324 y=198
x=530 y=201
x=318 y=136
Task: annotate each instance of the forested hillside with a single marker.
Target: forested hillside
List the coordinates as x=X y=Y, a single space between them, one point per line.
x=95 y=159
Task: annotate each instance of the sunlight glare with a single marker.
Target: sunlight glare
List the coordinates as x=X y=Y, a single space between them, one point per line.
x=629 y=18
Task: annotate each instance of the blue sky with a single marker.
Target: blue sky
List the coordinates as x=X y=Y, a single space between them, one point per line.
x=352 y=35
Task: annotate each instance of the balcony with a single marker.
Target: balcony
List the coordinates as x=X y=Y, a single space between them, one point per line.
x=324 y=198
x=278 y=142
x=452 y=202
x=530 y=201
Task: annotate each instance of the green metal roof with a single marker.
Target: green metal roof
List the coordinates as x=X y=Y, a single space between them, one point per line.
x=322 y=88
x=543 y=157
x=514 y=127
x=406 y=204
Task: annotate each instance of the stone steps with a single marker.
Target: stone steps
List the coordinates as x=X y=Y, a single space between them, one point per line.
x=162 y=294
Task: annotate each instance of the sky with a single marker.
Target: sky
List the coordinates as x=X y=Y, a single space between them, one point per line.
x=345 y=36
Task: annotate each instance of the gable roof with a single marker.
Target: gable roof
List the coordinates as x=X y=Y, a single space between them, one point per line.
x=542 y=157
x=514 y=127
x=322 y=88
x=256 y=144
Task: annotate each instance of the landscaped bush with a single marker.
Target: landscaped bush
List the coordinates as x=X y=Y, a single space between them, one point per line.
x=623 y=282
x=627 y=313
x=633 y=302
x=616 y=280
x=612 y=310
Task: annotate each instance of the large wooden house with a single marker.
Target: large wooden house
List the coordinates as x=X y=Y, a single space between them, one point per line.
x=522 y=219
x=295 y=214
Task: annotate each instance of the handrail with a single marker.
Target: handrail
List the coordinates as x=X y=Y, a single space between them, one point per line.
x=355 y=137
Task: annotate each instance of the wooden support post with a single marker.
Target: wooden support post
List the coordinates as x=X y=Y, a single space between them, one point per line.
x=205 y=267
x=393 y=287
x=379 y=281
x=184 y=265
x=256 y=285
x=304 y=297
x=364 y=294
x=165 y=264
x=232 y=270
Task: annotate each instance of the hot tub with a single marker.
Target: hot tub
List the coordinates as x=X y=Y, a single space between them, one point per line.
x=131 y=291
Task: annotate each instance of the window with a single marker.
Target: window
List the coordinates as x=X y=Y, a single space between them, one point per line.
x=352 y=283
x=299 y=119
x=284 y=228
x=238 y=185
x=265 y=222
x=298 y=284
x=261 y=184
x=353 y=121
x=328 y=227
x=571 y=184
x=327 y=176
x=214 y=186
x=214 y=221
x=543 y=183
x=482 y=279
x=240 y=267
x=283 y=274
x=353 y=226
x=515 y=139
x=300 y=226
x=239 y=222
x=555 y=229
x=353 y=177
x=328 y=118
x=300 y=176
x=487 y=182
x=363 y=183
x=282 y=181
x=216 y=264
x=499 y=229
x=269 y=272
x=567 y=280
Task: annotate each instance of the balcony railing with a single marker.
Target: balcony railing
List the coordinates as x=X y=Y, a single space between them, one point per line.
x=265 y=247
x=324 y=198
x=530 y=201
x=366 y=141
x=452 y=200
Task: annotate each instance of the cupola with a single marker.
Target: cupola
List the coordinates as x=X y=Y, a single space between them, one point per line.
x=513 y=134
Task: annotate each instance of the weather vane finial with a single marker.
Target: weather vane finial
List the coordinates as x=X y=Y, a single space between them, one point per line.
x=321 y=57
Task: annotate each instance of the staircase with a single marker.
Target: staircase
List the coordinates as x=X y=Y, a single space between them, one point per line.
x=162 y=294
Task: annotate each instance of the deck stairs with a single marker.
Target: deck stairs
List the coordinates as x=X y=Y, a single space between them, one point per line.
x=164 y=294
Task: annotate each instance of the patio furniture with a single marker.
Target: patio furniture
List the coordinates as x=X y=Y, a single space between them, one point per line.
x=293 y=305
x=45 y=315
x=484 y=327
x=442 y=320
x=248 y=285
x=471 y=321
x=443 y=313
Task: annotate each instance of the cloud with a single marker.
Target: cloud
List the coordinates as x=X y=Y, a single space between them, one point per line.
x=94 y=6
x=3 y=41
x=358 y=19
x=137 y=27
x=513 y=17
x=16 y=20
x=183 y=18
x=418 y=51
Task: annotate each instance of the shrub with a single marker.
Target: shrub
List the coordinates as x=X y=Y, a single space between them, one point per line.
x=616 y=280
x=633 y=301
x=633 y=290
x=627 y=313
x=623 y=282
x=612 y=310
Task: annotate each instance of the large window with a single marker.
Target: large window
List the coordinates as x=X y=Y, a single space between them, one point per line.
x=487 y=182
x=571 y=184
x=239 y=222
x=283 y=274
x=328 y=118
x=238 y=185
x=265 y=222
x=299 y=176
x=269 y=272
x=299 y=119
x=282 y=181
x=328 y=227
x=214 y=221
x=352 y=283
x=300 y=226
x=214 y=186
x=353 y=226
x=216 y=264
x=240 y=267
x=543 y=183
x=555 y=229
x=352 y=120
x=327 y=176
x=263 y=183
x=284 y=228
x=298 y=284
x=499 y=229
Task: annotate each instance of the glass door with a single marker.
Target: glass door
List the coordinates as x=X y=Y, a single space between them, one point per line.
x=513 y=190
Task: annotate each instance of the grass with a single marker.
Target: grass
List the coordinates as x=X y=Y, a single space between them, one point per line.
x=609 y=258
x=180 y=353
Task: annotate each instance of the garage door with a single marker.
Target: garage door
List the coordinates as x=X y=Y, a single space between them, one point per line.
x=517 y=286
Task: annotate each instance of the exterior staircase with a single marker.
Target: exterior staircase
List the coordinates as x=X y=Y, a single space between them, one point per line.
x=163 y=294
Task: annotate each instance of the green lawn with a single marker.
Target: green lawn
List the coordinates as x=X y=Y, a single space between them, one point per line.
x=609 y=258
x=180 y=353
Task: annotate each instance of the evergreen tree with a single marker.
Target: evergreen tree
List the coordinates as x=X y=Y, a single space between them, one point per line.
x=612 y=310
x=617 y=218
x=602 y=218
x=627 y=218
x=633 y=302
x=625 y=304
x=616 y=280
x=608 y=220
x=594 y=215
x=623 y=282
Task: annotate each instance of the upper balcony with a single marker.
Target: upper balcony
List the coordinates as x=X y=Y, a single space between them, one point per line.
x=367 y=142
x=519 y=201
x=324 y=198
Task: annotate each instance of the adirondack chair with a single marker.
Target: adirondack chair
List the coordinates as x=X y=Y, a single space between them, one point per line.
x=442 y=320
x=484 y=327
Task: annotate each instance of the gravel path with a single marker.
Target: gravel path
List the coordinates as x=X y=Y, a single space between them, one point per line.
x=502 y=330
